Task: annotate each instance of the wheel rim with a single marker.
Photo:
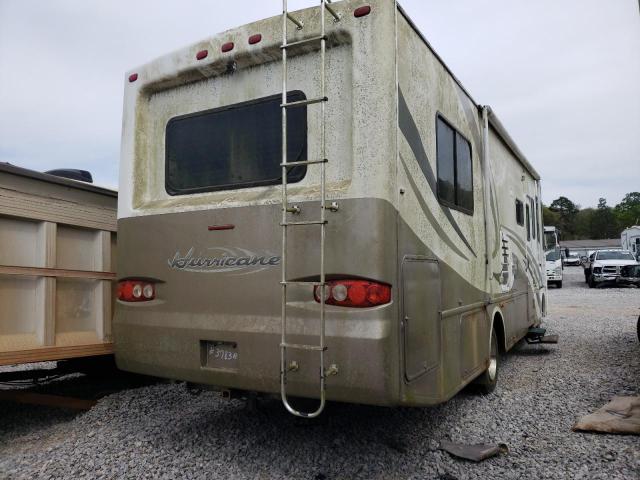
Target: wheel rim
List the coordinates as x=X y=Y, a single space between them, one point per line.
x=493 y=360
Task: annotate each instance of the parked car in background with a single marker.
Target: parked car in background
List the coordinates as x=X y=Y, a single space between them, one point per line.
x=554 y=268
x=603 y=266
x=572 y=259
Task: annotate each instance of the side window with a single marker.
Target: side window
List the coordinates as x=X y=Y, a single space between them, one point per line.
x=534 y=218
x=519 y=212
x=528 y=222
x=455 y=168
x=538 y=219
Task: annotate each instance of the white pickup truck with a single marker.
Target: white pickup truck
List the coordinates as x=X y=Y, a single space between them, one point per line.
x=603 y=266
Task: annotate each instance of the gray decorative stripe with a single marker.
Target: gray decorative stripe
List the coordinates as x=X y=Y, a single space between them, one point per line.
x=527 y=254
x=412 y=135
x=471 y=112
x=425 y=208
x=496 y=220
x=410 y=131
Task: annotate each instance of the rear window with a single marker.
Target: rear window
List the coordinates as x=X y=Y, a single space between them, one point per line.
x=237 y=146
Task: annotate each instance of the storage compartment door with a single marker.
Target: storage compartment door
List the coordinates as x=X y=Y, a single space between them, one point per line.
x=421 y=315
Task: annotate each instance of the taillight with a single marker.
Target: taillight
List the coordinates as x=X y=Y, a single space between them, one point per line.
x=362 y=11
x=136 y=291
x=354 y=293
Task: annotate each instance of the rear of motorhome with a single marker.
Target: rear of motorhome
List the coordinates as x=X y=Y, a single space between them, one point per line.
x=384 y=256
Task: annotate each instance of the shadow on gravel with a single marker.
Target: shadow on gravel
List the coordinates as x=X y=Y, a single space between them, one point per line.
x=17 y=418
x=339 y=444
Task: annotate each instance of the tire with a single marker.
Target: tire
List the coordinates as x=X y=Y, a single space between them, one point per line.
x=486 y=383
x=592 y=284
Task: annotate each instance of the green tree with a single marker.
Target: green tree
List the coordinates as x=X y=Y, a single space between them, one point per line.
x=550 y=217
x=567 y=211
x=584 y=223
x=604 y=223
x=627 y=211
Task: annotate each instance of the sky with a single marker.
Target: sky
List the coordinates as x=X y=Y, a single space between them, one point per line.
x=563 y=76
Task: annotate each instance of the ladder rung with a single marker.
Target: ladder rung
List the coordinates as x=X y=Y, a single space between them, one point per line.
x=304 y=162
x=302 y=42
x=308 y=222
x=299 y=346
x=301 y=103
x=331 y=11
x=302 y=282
x=298 y=23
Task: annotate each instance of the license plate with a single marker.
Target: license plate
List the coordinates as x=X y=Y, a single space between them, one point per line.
x=220 y=355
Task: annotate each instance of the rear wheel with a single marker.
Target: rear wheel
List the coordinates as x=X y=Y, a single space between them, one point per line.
x=487 y=382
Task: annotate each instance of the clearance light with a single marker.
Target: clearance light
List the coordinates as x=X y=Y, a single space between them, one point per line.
x=202 y=54
x=133 y=77
x=354 y=293
x=227 y=47
x=362 y=11
x=253 y=39
x=136 y=291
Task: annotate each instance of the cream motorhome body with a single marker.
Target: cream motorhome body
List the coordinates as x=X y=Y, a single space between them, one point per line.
x=432 y=255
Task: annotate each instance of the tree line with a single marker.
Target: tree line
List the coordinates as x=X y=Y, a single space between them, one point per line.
x=577 y=223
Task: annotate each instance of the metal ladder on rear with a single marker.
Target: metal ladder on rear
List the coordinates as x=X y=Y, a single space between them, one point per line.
x=286 y=209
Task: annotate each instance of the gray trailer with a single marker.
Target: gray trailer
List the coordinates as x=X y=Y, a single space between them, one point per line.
x=384 y=256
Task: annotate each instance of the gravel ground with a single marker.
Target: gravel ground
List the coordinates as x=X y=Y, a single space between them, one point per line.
x=163 y=431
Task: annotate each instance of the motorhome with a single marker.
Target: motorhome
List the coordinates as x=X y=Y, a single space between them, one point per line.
x=630 y=240
x=312 y=205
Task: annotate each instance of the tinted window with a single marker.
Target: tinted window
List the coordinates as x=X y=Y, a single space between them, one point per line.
x=237 y=146
x=553 y=255
x=538 y=220
x=528 y=223
x=615 y=256
x=455 y=168
x=534 y=218
x=446 y=163
x=464 y=183
x=519 y=212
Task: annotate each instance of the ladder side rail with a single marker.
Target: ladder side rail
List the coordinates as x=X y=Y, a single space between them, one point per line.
x=323 y=194
x=283 y=359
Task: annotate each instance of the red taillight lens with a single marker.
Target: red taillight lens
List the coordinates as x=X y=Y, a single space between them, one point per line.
x=136 y=291
x=253 y=39
x=202 y=54
x=362 y=11
x=227 y=47
x=133 y=77
x=354 y=293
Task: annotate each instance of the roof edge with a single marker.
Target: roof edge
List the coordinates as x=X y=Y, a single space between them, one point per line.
x=495 y=122
x=45 y=177
x=493 y=119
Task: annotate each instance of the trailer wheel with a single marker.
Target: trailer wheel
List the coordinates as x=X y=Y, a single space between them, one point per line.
x=489 y=379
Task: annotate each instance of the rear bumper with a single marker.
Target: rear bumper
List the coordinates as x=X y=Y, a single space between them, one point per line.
x=361 y=348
